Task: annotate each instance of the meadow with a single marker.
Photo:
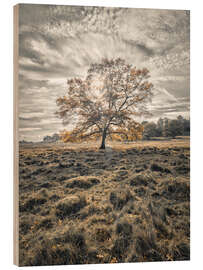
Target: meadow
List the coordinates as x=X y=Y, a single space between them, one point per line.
x=81 y=205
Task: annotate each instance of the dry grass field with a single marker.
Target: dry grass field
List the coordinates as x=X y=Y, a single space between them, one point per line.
x=128 y=203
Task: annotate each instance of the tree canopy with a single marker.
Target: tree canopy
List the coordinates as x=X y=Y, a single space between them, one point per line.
x=106 y=102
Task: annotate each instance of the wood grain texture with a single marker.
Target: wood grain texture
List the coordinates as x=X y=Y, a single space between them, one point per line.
x=16 y=141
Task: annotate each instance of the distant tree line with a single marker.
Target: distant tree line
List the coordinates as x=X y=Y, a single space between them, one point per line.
x=54 y=138
x=166 y=128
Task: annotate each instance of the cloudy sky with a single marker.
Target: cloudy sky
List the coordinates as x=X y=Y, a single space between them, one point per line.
x=59 y=42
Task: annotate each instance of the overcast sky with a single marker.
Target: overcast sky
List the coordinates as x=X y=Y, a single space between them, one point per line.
x=59 y=42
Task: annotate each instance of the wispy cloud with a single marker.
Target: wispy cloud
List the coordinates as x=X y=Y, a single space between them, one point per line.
x=59 y=42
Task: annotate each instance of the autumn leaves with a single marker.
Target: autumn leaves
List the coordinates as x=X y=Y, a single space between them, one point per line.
x=105 y=103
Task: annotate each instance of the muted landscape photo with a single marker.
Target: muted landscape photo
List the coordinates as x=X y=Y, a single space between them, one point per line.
x=104 y=135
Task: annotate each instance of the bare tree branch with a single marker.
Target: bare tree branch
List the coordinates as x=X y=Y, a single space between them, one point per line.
x=106 y=101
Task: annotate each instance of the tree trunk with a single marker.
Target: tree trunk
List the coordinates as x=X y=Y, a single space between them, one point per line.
x=103 y=140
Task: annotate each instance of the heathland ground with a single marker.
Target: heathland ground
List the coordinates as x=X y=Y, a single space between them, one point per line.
x=128 y=203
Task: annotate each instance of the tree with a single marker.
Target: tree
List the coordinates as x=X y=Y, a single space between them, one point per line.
x=166 y=132
x=150 y=130
x=186 y=127
x=175 y=128
x=54 y=138
x=130 y=133
x=160 y=127
x=107 y=101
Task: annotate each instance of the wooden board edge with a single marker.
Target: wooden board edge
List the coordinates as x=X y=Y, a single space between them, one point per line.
x=15 y=137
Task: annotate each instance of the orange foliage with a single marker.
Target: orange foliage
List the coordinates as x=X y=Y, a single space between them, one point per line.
x=105 y=103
